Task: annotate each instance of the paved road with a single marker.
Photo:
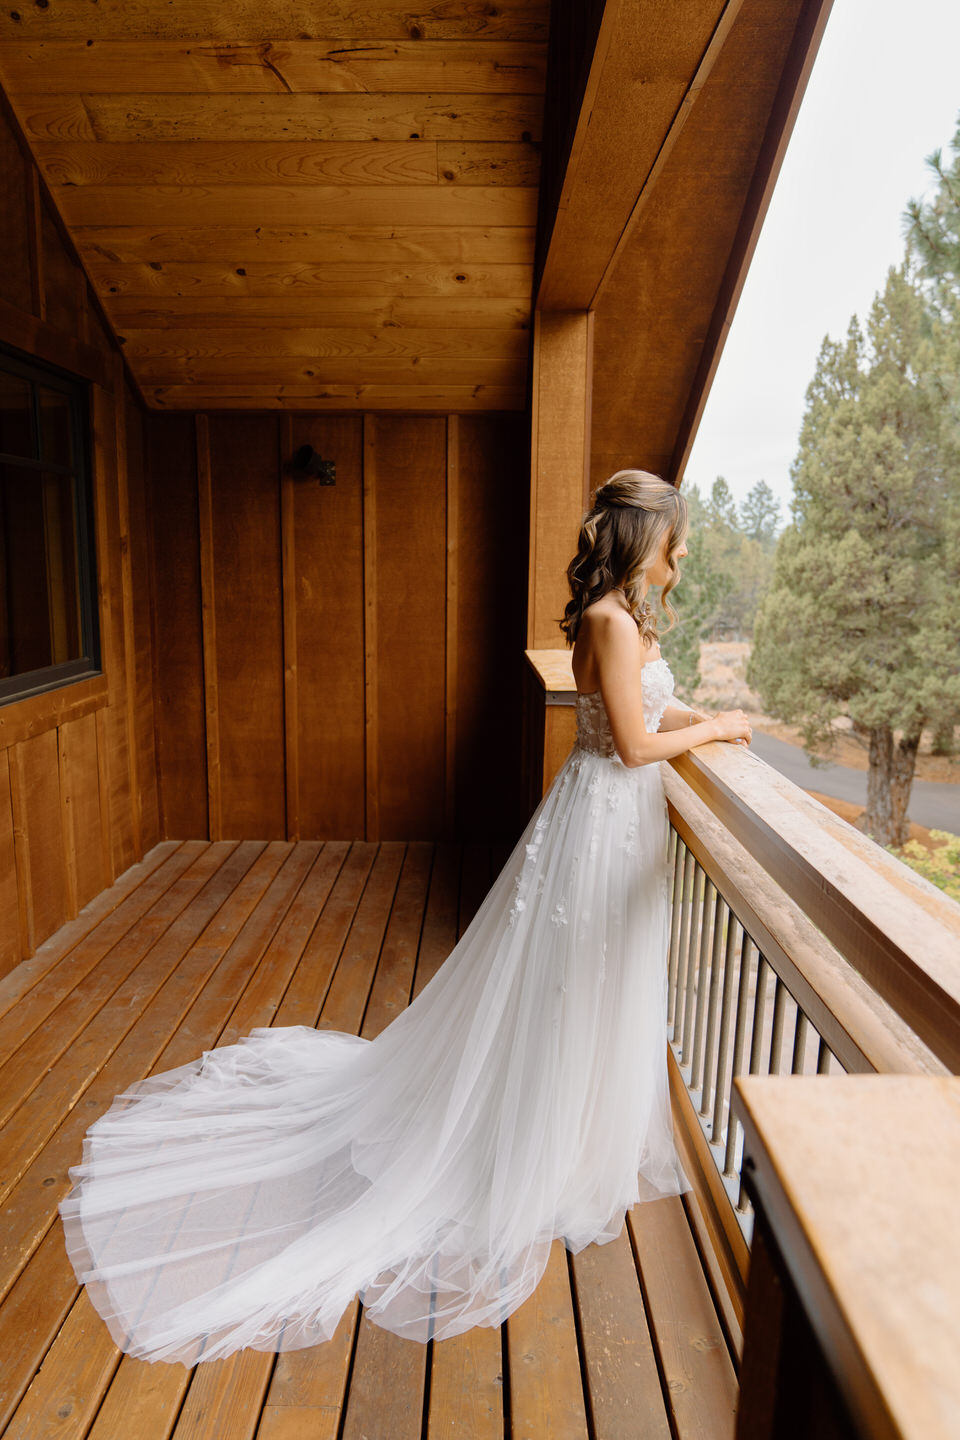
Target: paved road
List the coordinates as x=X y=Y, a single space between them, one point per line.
x=933 y=805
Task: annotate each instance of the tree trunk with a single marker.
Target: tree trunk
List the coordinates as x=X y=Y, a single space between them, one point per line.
x=889 y=779
x=943 y=739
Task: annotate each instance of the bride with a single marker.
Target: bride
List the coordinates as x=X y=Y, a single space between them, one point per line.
x=245 y=1199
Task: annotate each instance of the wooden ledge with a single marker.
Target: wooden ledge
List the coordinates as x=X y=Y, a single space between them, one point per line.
x=21 y=719
x=857 y=1177
x=554 y=670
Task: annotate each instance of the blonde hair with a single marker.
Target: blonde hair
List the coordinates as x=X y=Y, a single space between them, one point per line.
x=621 y=536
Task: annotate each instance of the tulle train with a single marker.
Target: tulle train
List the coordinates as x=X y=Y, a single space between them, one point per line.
x=245 y=1199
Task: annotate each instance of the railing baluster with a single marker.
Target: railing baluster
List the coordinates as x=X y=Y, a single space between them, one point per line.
x=719 y=1092
x=716 y=973
x=738 y=1042
x=694 y=954
x=719 y=910
x=703 y=964
x=780 y=994
x=799 y=1043
x=759 y=1010
x=678 y=865
x=686 y=912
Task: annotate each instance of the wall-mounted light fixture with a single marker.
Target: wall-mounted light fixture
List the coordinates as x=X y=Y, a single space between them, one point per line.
x=307 y=465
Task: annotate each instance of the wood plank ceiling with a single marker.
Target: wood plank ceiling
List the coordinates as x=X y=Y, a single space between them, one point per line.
x=321 y=206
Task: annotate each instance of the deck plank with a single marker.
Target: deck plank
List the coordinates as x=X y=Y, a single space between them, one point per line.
x=209 y=1412
x=308 y=988
x=42 y=1000
x=121 y=978
x=154 y=1393
x=66 y=1392
x=32 y=1313
x=439 y=934
x=389 y=1373
x=546 y=1388
x=31 y=1207
x=466 y=1386
x=219 y=953
x=307 y=1392
x=694 y=1359
x=17 y=983
x=621 y=1368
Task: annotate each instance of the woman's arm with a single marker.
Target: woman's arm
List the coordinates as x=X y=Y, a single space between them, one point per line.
x=676 y=719
x=619 y=656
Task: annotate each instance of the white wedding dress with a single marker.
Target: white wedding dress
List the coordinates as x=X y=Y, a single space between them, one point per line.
x=245 y=1199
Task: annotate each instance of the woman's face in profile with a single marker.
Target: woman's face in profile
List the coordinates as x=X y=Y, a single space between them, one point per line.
x=659 y=572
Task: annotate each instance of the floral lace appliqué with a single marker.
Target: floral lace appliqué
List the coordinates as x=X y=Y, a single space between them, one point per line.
x=593 y=727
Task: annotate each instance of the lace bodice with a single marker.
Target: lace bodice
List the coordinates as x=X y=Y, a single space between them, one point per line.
x=593 y=727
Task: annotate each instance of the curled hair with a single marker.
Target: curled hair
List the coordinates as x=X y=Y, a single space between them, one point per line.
x=621 y=536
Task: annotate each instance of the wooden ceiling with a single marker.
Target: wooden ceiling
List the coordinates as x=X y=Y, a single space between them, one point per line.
x=296 y=205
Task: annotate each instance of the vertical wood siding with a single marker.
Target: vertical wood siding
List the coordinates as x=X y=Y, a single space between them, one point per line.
x=339 y=661
x=78 y=777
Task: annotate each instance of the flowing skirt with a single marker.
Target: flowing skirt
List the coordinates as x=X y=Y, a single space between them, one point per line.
x=245 y=1199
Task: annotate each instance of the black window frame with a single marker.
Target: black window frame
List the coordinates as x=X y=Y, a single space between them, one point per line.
x=77 y=390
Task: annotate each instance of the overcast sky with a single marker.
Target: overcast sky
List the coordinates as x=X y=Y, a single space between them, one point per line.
x=884 y=93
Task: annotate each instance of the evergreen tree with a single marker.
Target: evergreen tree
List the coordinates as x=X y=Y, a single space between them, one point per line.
x=933 y=236
x=698 y=599
x=861 y=618
x=760 y=516
x=721 y=508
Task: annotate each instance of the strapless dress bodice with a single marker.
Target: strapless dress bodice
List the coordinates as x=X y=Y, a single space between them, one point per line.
x=593 y=725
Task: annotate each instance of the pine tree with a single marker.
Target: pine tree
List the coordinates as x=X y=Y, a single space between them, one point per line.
x=861 y=618
x=721 y=507
x=760 y=515
x=698 y=599
x=933 y=236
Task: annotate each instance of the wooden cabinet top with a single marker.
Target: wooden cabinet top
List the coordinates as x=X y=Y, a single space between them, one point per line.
x=859 y=1177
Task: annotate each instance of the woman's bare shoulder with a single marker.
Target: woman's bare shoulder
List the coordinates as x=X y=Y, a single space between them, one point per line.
x=608 y=612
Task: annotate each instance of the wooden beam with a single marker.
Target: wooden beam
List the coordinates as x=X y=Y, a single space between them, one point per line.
x=560 y=459
x=182 y=312
x=288 y=566
x=294 y=65
x=126 y=598
x=793 y=84
x=427 y=399
x=370 y=626
x=452 y=617
x=308 y=244
x=332 y=205
x=644 y=80
x=211 y=705
x=353 y=118
x=288 y=162
x=248 y=21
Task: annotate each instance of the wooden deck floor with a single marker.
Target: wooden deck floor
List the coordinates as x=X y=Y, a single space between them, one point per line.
x=192 y=948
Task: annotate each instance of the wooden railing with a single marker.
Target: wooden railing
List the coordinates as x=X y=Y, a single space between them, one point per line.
x=797 y=946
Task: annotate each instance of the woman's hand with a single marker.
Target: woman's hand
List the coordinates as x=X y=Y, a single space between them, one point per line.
x=733 y=725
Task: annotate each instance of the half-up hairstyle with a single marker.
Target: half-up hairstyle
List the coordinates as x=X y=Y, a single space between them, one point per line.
x=621 y=536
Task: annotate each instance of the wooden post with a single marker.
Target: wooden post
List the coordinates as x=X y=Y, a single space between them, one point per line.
x=560 y=463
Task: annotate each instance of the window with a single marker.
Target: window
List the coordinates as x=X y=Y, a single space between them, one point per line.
x=48 y=614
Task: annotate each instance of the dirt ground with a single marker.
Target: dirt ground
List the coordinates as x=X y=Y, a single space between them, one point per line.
x=723 y=687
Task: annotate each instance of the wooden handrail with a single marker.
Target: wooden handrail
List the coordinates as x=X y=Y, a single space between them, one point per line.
x=862 y=1029
x=898 y=931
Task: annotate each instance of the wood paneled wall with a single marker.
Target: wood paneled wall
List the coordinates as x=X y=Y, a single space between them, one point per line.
x=339 y=661
x=78 y=784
